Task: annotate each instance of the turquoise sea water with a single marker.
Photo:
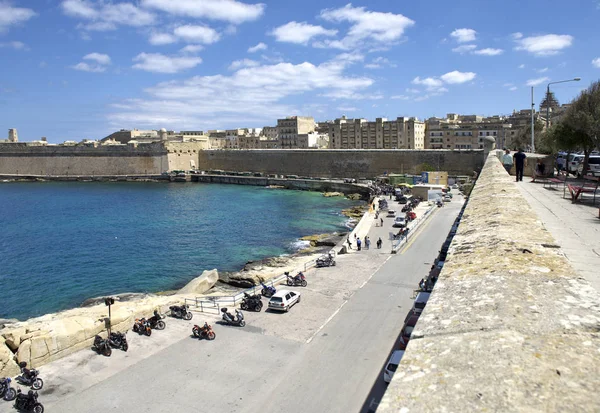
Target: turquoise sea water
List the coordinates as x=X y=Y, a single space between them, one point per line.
x=61 y=243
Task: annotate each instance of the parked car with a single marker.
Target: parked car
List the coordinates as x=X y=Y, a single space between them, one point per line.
x=420 y=302
x=391 y=213
x=282 y=300
x=411 y=215
x=407 y=330
x=399 y=222
x=392 y=365
x=593 y=166
x=402 y=199
x=447 y=198
x=573 y=163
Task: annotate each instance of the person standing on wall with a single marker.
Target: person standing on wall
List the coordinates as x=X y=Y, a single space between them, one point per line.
x=507 y=160
x=520 y=162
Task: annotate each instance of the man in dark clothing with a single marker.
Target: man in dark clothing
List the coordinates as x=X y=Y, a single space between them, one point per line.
x=520 y=162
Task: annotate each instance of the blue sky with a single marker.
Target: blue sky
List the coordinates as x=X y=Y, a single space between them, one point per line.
x=75 y=69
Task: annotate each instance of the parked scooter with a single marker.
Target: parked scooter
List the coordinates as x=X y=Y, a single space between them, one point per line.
x=7 y=392
x=181 y=311
x=102 y=346
x=118 y=340
x=28 y=402
x=156 y=322
x=29 y=377
x=268 y=291
x=141 y=327
x=298 y=279
x=205 y=331
x=238 y=320
x=251 y=302
x=326 y=261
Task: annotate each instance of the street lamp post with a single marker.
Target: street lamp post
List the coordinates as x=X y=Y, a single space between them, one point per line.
x=577 y=79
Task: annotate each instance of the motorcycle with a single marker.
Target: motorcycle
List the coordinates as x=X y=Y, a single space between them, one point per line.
x=238 y=320
x=29 y=377
x=205 y=331
x=141 y=327
x=326 y=261
x=299 y=279
x=268 y=291
x=102 y=346
x=251 y=302
x=181 y=311
x=7 y=392
x=156 y=321
x=118 y=340
x=28 y=402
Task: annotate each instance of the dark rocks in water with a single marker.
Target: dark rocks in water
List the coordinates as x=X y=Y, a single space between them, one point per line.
x=236 y=279
x=118 y=297
x=323 y=240
x=6 y=321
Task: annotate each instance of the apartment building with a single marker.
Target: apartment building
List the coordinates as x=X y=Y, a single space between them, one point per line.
x=402 y=133
x=269 y=132
x=289 y=128
x=467 y=132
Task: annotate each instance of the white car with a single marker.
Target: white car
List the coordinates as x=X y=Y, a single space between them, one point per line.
x=391 y=213
x=282 y=300
x=593 y=166
x=392 y=365
x=420 y=302
x=400 y=222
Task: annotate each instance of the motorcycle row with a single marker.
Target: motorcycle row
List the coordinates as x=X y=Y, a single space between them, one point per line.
x=25 y=402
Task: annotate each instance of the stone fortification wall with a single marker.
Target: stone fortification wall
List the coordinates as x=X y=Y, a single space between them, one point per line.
x=22 y=159
x=510 y=326
x=340 y=163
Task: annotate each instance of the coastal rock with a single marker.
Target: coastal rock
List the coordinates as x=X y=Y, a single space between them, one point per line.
x=8 y=366
x=354 y=197
x=118 y=297
x=354 y=212
x=331 y=194
x=323 y=240
x=13 y=337
x=201 y=284
x=6 y=322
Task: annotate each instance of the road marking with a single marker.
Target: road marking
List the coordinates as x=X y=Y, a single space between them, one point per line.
x=407 y=246
x=345 y=301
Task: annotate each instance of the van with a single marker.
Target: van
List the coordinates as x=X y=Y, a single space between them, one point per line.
x=420 y=302
x=593 y=166
x=392 y=365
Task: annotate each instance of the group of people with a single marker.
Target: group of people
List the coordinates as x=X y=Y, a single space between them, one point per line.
x=359 y=242
x=519 y=160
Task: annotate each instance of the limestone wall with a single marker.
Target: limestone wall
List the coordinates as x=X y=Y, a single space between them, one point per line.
x=340 y=163
x=509 y=327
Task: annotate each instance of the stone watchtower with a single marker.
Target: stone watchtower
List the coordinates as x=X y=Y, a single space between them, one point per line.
x=162 y=134
x=13 y=136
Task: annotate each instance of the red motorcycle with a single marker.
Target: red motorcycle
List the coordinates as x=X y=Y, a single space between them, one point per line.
x=299 y=279
x=205 y=331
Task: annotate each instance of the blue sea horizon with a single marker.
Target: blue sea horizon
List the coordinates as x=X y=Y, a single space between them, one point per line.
x=62 y=243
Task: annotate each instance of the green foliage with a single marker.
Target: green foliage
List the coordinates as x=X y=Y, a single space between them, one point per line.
x=425 y=167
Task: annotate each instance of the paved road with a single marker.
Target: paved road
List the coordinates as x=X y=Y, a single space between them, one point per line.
x=329 y=362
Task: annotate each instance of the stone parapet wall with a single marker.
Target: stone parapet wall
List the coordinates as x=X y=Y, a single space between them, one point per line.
x=341 y=163
x=509 y=327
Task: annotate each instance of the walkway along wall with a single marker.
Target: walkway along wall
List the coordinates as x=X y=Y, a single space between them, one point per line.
x=509 y=327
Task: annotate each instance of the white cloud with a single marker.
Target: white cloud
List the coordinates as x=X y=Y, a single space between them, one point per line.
x=86 y=67
x=197 y=34
x=104 y=16
x=465 y=48
x=512 y=88
x=347 y=109
x=10 y=15
x=409 y=90
x=102 y=59
x=517 y=35
x=430 y=82
x=15 y=45
x=253 y=94
x=401 y=97
x=456 y=77
x=300 y=33
x=159 y=63
x=488 y=52
x=546 y=45
x=521 y=66
x=367 y=25
x=538 y=81
x=379 y=62
x=158 y=39
x=464 y=35
x=191 y=49
x=544 y=70
x=258 y=47
x=237 y=64
x=226 y=10
x=596 y=62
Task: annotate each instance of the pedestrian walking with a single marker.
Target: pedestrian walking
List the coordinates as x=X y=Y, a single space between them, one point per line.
x=520 y=162
x=367 y=243
x=507 y=161
x=381 y=220
x=379 y=242
x=349 y=243
x=358 y=243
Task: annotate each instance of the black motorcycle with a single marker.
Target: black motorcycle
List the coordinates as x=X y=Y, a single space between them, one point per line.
x=102 y=346
x=181 y=311
x=251 y=303
x=326 y=261
x=238 y=320
x=28 y=402
x=7 y=392
x=29 y=377
x=155 y=322
x=118 y=340
x=298 y=279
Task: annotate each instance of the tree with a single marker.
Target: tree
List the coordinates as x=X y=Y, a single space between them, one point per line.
x=523 y=138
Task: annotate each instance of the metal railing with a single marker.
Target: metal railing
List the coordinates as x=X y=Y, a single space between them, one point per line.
x=415 y=224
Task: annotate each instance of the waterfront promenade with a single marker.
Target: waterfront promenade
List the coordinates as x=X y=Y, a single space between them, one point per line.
x=326 y=354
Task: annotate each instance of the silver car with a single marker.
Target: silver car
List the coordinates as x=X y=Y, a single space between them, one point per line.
x=282 y=300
